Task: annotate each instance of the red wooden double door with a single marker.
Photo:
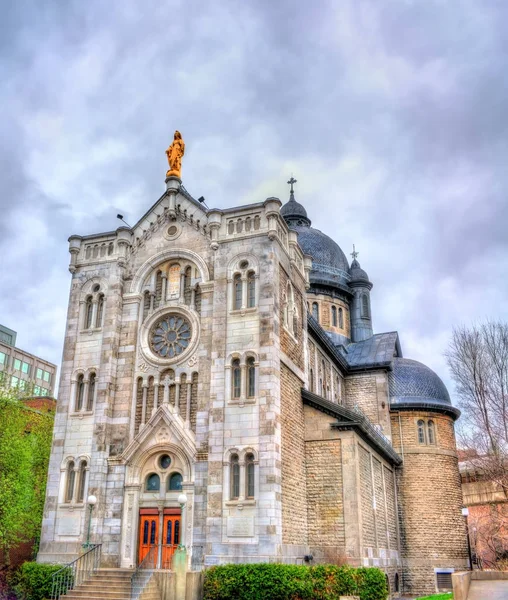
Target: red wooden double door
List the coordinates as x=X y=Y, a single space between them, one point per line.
x=162 y=537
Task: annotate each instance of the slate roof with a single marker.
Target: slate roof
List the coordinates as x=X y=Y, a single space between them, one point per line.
x=377 y=351
x=414 y=385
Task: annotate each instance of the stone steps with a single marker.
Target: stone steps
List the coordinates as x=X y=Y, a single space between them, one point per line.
x=110 y=584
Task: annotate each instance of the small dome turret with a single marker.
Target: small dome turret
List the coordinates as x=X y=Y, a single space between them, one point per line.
x=357 y=273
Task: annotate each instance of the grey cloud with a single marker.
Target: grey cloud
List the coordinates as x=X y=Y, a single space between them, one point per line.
x=392 y=114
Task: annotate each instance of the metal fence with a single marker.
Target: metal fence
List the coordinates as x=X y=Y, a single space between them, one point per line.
x=76 y=572
x=143 y=573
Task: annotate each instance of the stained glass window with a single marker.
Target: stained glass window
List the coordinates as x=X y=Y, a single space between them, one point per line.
x=175 y=482
x=171 y=336
x=153 y=483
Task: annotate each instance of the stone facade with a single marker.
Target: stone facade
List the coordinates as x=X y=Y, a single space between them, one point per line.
x=191 y=365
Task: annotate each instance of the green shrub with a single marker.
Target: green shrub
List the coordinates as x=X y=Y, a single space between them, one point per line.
x=33 y=580
x=292 y=582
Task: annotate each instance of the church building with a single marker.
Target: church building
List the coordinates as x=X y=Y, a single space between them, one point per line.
x=222 y=388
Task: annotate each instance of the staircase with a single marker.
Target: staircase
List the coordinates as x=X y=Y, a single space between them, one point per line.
x=111 y=584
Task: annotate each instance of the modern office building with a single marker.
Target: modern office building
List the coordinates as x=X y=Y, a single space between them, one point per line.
x=23 y=370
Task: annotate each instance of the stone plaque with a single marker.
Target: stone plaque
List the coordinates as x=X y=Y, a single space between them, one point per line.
x=240 y=527
x=69 y=525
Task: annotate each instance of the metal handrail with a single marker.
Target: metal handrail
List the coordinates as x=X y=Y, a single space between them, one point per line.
x=144 y=572
x=76 y=572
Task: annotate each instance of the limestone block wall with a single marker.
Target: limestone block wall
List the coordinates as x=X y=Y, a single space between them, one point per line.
x=325 y=303
x=325 y=509
x=293 y=488
x=351 y=494
x=430 y=500
x=369 y=391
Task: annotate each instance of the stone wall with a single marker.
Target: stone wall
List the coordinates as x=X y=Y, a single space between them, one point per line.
x=325 y=507
x=430 y=501
x=294 y=494
x=369 y=391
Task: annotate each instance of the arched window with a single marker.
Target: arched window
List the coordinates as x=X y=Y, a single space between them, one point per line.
x=153 y=483
x=421 y=431
x=251 y=289
x=341 y=318
x=311 y=380
x=236 y=380
x=295 y=322
x=251 y=377
x=431 y=432
x=397 y=584
x=315 y=311
x=334 y=316
x=88 y=312
x=82 y=481
x=365 y=306
x=175 y=482
x=91 y=392
x=100 y=311
x=71 y=476
x=234 y=477
x=80 y=392
x=237 y=292
x=249 y=475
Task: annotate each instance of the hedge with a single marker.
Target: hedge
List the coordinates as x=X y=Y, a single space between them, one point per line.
x=293 y=582
x=32 y=581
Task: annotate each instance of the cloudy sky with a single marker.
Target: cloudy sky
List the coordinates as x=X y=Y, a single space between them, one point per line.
x=391 y=114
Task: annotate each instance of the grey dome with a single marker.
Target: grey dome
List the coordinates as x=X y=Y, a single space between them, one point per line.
x=292 y=208
x=329 y=263
x=357 y=273
x=412 y=383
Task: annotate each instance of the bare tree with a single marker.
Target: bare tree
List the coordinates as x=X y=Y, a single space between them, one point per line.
x=478 y=361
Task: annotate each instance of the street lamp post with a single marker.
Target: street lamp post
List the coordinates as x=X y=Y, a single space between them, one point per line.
x=91 y=501
x=465 y=514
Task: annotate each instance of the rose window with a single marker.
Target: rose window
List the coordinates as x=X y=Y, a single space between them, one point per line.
x=170 y=336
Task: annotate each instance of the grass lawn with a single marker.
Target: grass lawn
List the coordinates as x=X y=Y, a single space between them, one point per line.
x=448 y=596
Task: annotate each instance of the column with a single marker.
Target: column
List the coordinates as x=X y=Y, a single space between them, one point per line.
x=164 y=277
x=166 y=390
x=182 y=287
x=143 y=408
x=94 y=313
x=189 y=398
x=177 y=395
x=152 y=301
x=241 y=495
x=155 y=395
x=193 y=298
x=244 y=292
x=243 y=380
x=85 y=393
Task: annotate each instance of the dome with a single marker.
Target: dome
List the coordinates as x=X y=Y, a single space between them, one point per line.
x=357 y=273
x=293 y=210
x=412 y=384
x=329 y=263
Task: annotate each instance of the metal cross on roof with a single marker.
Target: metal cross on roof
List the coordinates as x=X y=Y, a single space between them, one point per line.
x=291 y=182
x=354 y=254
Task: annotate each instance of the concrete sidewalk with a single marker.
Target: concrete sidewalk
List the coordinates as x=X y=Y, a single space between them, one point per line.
x=488 y=590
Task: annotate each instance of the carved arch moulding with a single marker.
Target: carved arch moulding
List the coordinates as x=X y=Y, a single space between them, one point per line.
x=161 y=257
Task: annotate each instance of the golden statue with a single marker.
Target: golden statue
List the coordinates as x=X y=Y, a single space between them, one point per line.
x=174 y=154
